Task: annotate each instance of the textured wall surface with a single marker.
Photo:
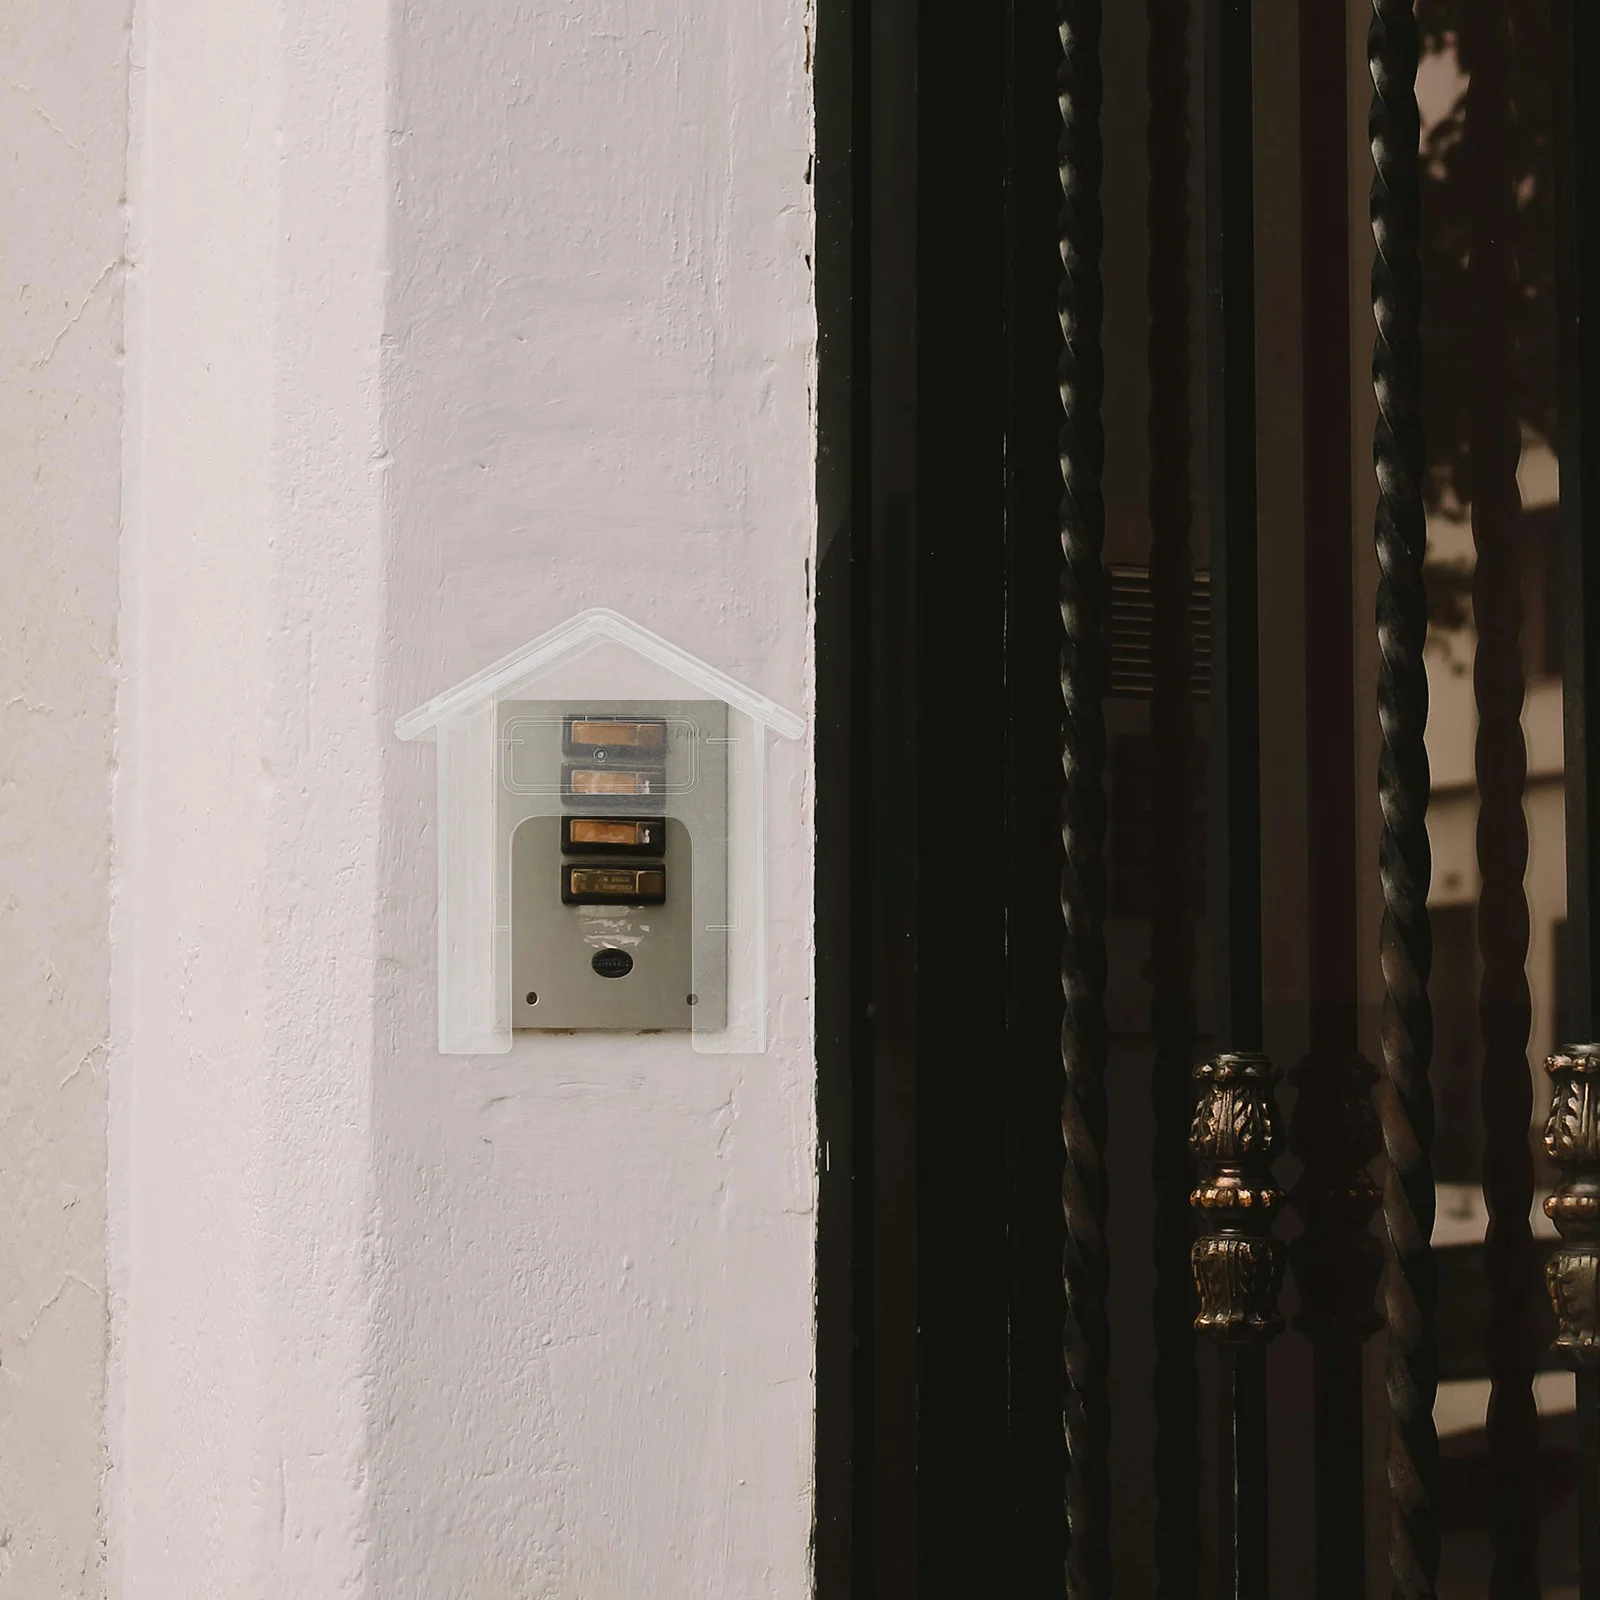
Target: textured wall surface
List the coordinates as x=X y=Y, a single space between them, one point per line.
x=445 y=322
x=247 y=818
x=63 y=127
x=594 y=1347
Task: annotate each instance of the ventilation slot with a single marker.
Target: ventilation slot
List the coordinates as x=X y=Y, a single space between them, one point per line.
x=1132 y=672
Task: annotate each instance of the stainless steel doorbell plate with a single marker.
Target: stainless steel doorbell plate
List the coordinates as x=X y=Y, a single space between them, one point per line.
x=615 y=817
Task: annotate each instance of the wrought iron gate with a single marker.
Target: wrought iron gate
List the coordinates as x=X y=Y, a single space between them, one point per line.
x=1044 y=1021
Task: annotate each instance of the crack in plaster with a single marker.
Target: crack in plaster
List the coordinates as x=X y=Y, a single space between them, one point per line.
x=76 y=317
x=100 y=1048
x=67 y=1281
x=39 y=111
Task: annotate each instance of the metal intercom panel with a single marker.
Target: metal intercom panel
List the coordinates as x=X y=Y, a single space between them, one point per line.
x=613 y=821
x=602 y=798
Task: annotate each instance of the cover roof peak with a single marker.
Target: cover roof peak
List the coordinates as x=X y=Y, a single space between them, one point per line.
x=598 y=622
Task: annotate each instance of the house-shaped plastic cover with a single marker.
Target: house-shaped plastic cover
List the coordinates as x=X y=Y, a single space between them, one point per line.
x=600 y=729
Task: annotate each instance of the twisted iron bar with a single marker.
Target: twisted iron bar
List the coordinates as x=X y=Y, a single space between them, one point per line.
x=1504 y=1003
x=1405 y=864
x=1085 y=1265
x=1172 y=923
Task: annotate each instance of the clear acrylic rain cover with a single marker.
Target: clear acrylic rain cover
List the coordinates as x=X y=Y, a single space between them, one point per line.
x=495 y=784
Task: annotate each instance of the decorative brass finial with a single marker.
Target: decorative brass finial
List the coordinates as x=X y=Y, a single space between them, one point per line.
x=1238 y=1264
x=1572 y=1137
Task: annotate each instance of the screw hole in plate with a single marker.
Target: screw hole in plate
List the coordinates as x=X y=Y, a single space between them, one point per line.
x=533 y=998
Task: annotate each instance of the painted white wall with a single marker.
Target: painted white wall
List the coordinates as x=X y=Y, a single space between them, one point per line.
x=63 y=126
x=246 y=829
x=594 y=1317
x=444 y=322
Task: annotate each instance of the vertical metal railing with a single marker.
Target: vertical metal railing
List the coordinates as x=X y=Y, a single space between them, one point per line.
x=1405 y=863
x=1504 y=1001
x=1238 y=1263
x=1572 y=1137
x=1337 y=1261
x=1172 y=924
x=1086 y=1265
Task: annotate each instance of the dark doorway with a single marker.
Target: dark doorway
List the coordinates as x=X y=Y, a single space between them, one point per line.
x=1121 y=633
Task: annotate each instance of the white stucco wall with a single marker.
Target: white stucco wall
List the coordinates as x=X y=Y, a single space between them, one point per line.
x=444 y=322
x=63 y=127
x=244 y=938
x=594 y=1316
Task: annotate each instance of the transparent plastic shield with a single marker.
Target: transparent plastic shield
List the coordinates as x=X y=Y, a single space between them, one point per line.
x=474 y=1017
x=601 y=844
x=736 y=950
